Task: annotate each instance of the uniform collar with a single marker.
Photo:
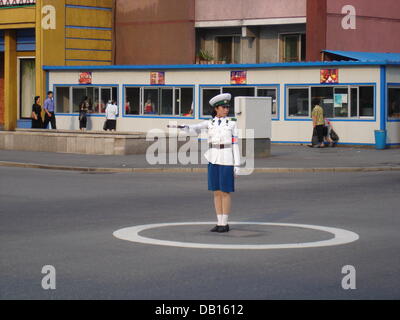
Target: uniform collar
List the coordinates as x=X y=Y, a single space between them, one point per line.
x=216 y=118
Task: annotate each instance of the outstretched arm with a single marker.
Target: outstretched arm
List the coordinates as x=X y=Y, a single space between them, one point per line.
x=195 y=128
x=235 y=147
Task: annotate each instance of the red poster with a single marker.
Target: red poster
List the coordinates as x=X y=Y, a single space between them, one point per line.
x=329 y=76
x=238 y=77
x=85 y=78
x=157 y=77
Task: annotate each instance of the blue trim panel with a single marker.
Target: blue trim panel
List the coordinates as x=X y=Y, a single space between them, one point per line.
x=76 y=38
x=228 y=66
x=383 y=103
x=26 y=40
x=87 y=7
x=88 y=28
x=87 y=50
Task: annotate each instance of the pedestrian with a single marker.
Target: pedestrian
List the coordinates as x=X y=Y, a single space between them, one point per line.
x=149 y=107
x=111 y=116
x=37 y=121
x=83 y=110
x=49 y=116
x=223 y=156
x=318 y=121
x=327 y=132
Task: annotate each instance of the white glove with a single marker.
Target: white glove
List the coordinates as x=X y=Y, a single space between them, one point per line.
x=236 y=170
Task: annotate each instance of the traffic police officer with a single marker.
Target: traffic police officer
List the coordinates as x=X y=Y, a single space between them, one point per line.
x=223 y=156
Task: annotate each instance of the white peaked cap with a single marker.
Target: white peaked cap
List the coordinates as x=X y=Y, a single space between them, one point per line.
x=220 y=100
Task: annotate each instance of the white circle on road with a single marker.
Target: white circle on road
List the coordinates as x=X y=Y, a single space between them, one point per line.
x=341 y=236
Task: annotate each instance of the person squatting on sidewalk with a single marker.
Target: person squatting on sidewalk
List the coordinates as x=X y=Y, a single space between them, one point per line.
x=223 y=156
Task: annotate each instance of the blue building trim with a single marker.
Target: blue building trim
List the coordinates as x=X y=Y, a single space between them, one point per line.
x=73 y=6
x=383 y=89
x=88 y=28
x=77 y=38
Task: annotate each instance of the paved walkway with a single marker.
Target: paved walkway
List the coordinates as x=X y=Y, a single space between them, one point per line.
x=283 y=157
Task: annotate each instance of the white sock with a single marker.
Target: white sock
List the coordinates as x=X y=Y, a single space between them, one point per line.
x=219 y=217
x=225 y=219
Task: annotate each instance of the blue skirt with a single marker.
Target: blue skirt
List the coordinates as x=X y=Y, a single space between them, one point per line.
x=221 y=178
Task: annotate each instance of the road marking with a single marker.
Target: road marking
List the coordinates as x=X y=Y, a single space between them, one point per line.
x=341 y=237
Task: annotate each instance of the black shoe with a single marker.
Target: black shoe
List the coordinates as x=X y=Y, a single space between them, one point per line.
x=215 y=229
x=223 y=229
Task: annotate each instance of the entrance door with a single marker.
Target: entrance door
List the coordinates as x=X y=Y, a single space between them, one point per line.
x=27 y=87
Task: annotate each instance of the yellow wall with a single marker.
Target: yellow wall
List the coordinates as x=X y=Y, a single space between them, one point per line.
x=89 y=32
x=10 y=79
x=17 y=18
x=83 y=36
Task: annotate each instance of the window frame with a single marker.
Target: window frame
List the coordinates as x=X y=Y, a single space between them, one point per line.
x=255 y=86
x=142 y=87
x=281 y=45
x=71 y=86
x=232 y=36
x=350 y=86
x=391 y=86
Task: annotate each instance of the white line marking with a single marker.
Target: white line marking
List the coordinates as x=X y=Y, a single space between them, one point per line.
x=341 y=236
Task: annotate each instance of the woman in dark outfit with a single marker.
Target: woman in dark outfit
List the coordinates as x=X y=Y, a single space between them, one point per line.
x=37 y=121
x=83 y=110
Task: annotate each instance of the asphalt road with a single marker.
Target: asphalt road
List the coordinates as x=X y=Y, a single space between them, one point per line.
x=67 y=220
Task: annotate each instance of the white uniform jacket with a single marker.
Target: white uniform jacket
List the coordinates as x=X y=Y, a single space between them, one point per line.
x=220 y=133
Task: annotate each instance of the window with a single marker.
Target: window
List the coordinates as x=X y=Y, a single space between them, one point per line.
x=164 y=101
x=293 y=47
x=228 y=49
x=68 y=99
x=394 y=102
x=337 y=101
x=238 y=92
x=62 y=99
x=366 y=104
x=208 y=93
x=298 y=102
x=132 y=100
x=27 y=87
x=269 y=92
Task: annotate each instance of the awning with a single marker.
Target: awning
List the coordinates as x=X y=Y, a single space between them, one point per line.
x=363 y=56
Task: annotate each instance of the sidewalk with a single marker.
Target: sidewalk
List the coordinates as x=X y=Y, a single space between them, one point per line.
x=284 y=158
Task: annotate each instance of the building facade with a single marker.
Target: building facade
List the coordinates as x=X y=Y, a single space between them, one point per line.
x=251 y=31
x=358 y=97
x=34 y=33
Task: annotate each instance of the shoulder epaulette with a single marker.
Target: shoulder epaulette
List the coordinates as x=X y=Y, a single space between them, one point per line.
x=233 y=119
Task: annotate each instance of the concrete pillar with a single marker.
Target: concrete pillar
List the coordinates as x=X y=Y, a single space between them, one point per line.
x=10 y=80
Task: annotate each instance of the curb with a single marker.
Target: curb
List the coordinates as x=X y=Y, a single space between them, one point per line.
x=190 y=170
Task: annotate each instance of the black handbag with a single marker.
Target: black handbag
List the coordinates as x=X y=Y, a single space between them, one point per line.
x=314 y=138
x=105 y=125
x=334 y=136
